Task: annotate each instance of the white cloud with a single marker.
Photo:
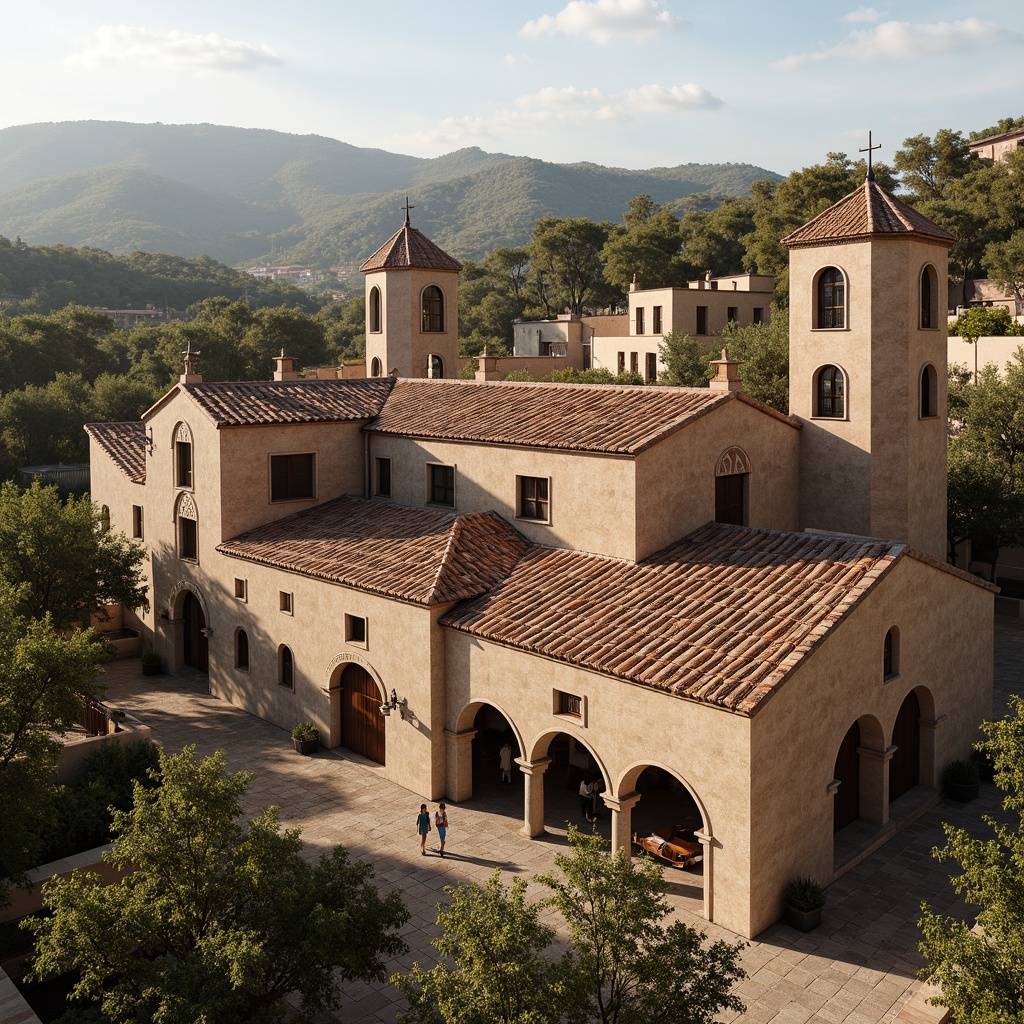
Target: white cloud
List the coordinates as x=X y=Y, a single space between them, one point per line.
x=513 y=60
x=170 y=50
x=863 y=15
x=555 y=107
x=605 y=20
x=901 y=40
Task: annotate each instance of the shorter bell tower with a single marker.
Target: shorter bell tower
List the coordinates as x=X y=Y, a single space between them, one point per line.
x=412 y=307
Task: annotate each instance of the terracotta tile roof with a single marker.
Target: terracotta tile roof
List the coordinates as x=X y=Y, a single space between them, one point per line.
x=409 y=247
x=290 y=401
x=722 y=617
x=577 y=417
x=415 y=554
x=867 y=212
x=125 y=443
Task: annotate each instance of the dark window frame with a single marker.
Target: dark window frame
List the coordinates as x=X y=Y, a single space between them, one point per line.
x=440 y=484
x=432 y=310
x=183 y=464
x=286 y=668
x=356 y=630
x=373 y=318
x=242 y=650
x=656 y=320
x=382 y=472
x=293 y=476
x=830 y=296
x=702 y=321
x=138 y=522
x=639 y=320
x=188 y=539
x=732 y=499
x=533 y=498
x=830 y=393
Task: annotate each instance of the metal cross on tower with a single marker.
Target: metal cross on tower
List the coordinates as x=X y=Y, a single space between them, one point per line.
x=870 y=175
x=407 y=208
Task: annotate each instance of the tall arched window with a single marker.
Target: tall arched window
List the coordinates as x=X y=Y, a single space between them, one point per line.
x=375 y=367
x=929 y=297
x=435 y=367
x=831 y=298
x=373 y=317
x=242 y=649
x=182 y=456
x=286 y=668
x=433 y=309
x=891 y=654
x=830 y=392
x=187 y=522
x=929 y=392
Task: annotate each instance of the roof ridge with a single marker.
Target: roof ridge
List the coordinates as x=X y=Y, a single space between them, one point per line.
x=453 y=534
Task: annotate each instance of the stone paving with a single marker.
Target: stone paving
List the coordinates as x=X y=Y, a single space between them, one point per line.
x=859 y=967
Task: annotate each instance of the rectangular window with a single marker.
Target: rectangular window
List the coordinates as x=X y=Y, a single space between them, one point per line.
x=733 y=314
x=652 y=367
x=634 y=365
x=702 y=319
x=291 y=477
x=620 y=362
x=570 y=704
x=639 y=319
x=241 y=589
x=137 y=523
x=441 y=485
x=285 y=602
x=188 y=538
x=731 y=499
x=183 y=471
x=384 y=478
x=758 y=315
x=656 y=320
x=355 y=629
x=533 y=498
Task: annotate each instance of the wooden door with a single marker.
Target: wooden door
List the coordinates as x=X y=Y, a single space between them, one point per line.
x=362 y=724
x=904 y=768
x=197 y=653
x=846 y=803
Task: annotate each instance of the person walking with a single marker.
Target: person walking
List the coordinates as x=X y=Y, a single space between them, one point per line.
x=505 y=760
x=586 y=796
x=441 y=824
x=423 y=827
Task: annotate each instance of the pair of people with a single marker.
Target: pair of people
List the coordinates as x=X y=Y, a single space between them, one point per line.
x=589 y=791
x=423 y=826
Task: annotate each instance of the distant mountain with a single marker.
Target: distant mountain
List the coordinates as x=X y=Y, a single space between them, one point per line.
x=245 y=195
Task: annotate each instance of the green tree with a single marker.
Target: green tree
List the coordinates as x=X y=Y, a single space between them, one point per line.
x=714 y=240
x=43 y=677
x=687 y=362
x=219 y=920
x=62 y=560
x=565 y=261
x=495 y=969
x=1005 y=263
x=928 y=167
x=647 y=250
x=638 y=969
x=763 y=351
x=980 y=968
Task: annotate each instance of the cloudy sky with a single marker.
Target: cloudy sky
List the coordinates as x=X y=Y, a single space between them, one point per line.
x=630 y=83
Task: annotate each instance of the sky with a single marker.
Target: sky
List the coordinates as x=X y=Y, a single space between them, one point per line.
x=625 y=83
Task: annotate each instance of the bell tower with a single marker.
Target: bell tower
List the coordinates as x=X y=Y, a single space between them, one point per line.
x=412 y=307
x=867 y=369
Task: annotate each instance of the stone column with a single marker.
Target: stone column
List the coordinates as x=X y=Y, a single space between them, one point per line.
x=533 y=796
x=459 y=757
x=930 y=775
x=874 y=783
x=707 y=843
x=622 y=816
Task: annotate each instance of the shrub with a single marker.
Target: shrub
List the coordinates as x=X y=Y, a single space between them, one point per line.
x=962 y=773
x=803 y=893
x=305 y=731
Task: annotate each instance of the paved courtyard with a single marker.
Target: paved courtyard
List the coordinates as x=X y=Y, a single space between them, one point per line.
x=859 y=967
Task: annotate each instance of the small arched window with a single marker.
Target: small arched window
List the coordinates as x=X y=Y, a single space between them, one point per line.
x=183 y=456
x=929 y=297
x=375 y=367
x=435 y=367
x=374 y=312
x=433 y=310
x=831 y=298
x=242 y=649
x=187 y=527
x=286 y=668
x=830 y=393
x=929 y=392
x=891 y=654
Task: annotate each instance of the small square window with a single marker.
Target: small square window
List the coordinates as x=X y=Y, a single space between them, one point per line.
x=137 y=523
x=384 y=478
x=534 y=501
x=441 y=485
x=285 y=602
x=733 y=314
x=570 y=704
x=355 y=629
x=241 y=589
x=292 y=477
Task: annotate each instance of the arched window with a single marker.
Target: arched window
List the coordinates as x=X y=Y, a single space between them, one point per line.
x=435 y=367
x=830 y=393
x=891 y=654
x=929 y=297
x=831 y=298
x=285 y=668
x=375 y=367
x=373 y=313
x=187 y=522
x=182 y=456
x=433 y=310
x=929 y=392
x=732 y=481
x=242 y=649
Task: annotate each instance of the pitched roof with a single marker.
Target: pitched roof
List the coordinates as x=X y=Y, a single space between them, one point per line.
x=576 y=417
x=426 y=556
x=408 y=247
x=247 y=403
x=125 y=443
x=722 y=617
x=869 y=211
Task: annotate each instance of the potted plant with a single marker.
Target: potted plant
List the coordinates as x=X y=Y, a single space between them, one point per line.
x=962 y=779
x=306 y=737
x=152 y=664
x=804 y=899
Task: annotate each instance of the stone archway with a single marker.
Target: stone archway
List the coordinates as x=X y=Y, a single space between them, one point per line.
x=474 y=750
x=190 y=625
x=354 y=718
x=861 y=768
x=905 y=763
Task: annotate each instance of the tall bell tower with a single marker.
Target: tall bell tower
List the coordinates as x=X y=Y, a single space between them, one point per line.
x=867 y=368
x=412 y=307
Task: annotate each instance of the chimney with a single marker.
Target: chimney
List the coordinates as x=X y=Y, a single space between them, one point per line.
x=284 y=367
x=488 y=367
x=726 y=376
x=633 y=284
x=191 y=374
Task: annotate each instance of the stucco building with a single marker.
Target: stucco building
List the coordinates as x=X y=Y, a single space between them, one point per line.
x=741 y=618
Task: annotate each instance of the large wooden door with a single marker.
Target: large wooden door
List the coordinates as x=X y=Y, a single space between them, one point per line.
x=197 y=652
x=362 y=724
x=904 y=768
x=846 y=803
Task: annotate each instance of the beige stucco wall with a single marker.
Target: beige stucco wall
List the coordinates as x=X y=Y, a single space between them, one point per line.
x=675 y=479
x=679 y=307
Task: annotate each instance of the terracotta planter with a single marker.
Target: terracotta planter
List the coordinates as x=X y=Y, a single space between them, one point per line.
x=306 y=746
x=963 y=792
x=803 y=920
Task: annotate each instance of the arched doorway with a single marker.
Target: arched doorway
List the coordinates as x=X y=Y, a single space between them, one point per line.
x=905 y=765
x=493 y=732
x=572 y=762
x=361 y=723
x=846 y=803
x=196 y=648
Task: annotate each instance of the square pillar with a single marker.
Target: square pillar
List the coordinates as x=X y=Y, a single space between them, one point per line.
x=533 y=796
